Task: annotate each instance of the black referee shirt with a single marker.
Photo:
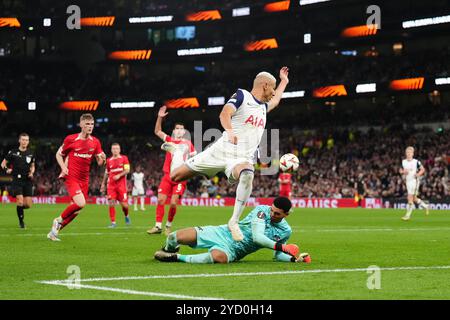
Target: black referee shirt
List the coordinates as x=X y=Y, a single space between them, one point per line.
x=21 y=162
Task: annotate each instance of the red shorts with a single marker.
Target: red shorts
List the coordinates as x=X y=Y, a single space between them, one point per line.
x=285 y=193
x=168 y=187
x=76 y=187
x=118 y=193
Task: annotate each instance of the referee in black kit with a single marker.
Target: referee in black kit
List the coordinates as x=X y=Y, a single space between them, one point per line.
x=20 y=163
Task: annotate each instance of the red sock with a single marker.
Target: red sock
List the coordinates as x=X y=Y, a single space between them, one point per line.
x=172 y=212
x=69 y=210
x=159 y=213
x=112 y=214
x=125 y=211
x=68 y=220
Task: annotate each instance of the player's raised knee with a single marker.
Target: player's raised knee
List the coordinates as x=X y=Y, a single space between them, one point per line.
x=80 y=203
x=246 y=176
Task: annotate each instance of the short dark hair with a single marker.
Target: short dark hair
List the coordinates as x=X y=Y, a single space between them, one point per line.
x=178 y=124
x=283 y=203
x=115 y=144
x=23 y=134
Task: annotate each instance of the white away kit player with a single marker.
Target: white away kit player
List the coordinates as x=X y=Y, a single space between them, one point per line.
x=244 y=119
x=138 y=188
x=413 y=170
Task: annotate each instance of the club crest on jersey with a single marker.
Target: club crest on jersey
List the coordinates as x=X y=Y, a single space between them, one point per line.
x=28 y=159
x=261 y=215
x=255 y=121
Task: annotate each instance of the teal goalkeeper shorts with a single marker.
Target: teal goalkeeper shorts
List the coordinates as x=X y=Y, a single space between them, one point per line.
x=215 y=238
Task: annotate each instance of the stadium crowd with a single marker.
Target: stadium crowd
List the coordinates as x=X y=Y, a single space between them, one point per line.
x=331 y=163
x=100 y=82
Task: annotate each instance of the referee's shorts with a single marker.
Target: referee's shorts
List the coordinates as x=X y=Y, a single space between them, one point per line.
x=22 y=188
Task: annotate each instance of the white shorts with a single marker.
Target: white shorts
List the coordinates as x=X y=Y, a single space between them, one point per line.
x=137 y=192
x=412 y=186
x=213 y=160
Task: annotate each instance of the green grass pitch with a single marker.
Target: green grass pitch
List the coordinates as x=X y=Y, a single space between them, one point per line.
x=414 y=257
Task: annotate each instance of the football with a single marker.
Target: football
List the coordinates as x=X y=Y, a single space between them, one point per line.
x=289 y=162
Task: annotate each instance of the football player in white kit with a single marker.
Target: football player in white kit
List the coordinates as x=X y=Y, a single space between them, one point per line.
x=413 y=170
x=244 y=119
x=138 y=188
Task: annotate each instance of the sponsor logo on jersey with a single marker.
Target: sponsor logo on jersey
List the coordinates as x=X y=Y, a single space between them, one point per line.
x=83 y=155
x=255 y=121
x=261 y=215
x=117 y=170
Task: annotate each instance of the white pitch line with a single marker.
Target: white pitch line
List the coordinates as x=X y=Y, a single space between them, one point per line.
x=135 y=292
x=73 y=234
x=370 y=229
x=245 y=274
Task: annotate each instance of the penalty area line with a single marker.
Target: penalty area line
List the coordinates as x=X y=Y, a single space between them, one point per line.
x=127 y=291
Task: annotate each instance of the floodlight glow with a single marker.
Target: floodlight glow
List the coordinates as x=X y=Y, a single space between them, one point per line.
x=425 y=22
x=199 y=51
x=366 y=87
x=150 y=19
x=294 y=94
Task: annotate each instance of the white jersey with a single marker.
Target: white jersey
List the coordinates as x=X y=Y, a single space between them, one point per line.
x=138 y=180
x=412 y=166
x=248 y=124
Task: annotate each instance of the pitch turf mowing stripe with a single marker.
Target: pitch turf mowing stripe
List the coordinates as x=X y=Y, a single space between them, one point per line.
x=127 y=291
x=244 y=274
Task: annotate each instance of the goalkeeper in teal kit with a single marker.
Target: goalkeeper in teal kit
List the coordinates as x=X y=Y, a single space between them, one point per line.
x=264 y=227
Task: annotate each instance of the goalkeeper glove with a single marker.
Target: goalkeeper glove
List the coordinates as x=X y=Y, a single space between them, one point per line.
x=303 y=257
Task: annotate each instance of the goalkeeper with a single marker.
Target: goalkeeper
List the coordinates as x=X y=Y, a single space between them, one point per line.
x=264 y=227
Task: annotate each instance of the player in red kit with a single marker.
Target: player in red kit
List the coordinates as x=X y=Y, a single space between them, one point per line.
x=79 y=149
x=167 y=187
x=117 y=168
x=285 y=180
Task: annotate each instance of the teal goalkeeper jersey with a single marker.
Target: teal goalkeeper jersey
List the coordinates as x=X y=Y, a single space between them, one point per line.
x=258 y=220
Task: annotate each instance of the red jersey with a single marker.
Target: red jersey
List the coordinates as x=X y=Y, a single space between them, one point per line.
x=285 y=176
x=80 y=153
x=115 y=166
x=168 y=159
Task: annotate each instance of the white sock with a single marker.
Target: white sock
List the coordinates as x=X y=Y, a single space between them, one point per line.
x=158 y=224
x=135 y=203
x=422 y=204
x=243 y=192
x=168 y=224
x=409 y=209
x=142 y=202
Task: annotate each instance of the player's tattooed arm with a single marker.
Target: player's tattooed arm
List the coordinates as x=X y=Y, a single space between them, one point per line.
x=158 y=126
x=32 y=170
x=101 y=158
x=103 y=185
x=284 y=80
